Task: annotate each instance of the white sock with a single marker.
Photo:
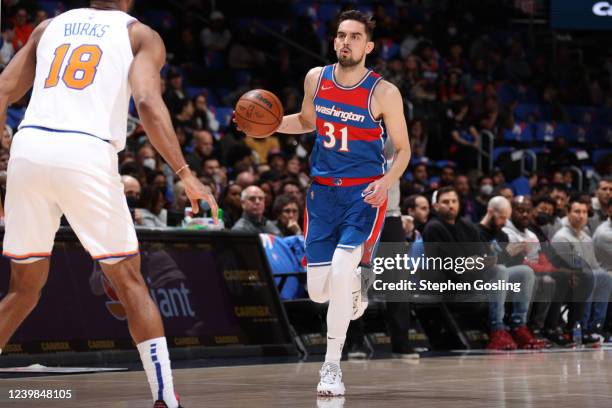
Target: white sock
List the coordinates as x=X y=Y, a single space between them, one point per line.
x=156 y=363
x=340 y=310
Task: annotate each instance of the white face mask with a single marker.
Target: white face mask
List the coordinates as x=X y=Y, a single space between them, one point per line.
x=486 y=189
x=150 y=163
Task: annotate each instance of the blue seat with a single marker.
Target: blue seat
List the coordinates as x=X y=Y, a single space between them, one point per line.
x=545 y=132
x=524 y=110
x=520 y=186
x=224 y=116
x=498 y=151
x=599 y=154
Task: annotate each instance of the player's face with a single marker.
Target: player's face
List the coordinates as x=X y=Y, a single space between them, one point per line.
x=351 y=43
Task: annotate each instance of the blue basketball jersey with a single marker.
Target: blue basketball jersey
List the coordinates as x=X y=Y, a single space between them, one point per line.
x=349 y=140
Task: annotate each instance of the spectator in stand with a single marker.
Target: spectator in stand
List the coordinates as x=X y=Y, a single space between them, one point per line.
x=276 y=161
x=491 y=230
x=294 y=170
x=174 y=94
x=231 y=204
x=39 y=17
x=212 y=169
x=447 y=176
x=244 y=54
x=466 y=200
x=7 y=51
x=572 y=285
x=246 y=179
x=575 y=246
x=153 y=213
x=294 y=189
x=6 y=139
x=287 y=210
x=416 y=210
x=430 y=68
x=262 y=147
x=504 y=191
x=485 y=192
x=268 y=188
x=602 y=239
x=601 y=202
x=464 y=138
x=203 y=148
x=216 y=37
x=23 y=29
x=532 y=255
x=420 y=179
x=451 y=89
x=253 y=205
x=203 y=118
x=184 y=117
x=418 y=137
x=188 y=50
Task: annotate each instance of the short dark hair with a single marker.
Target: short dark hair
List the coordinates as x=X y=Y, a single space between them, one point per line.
x=576 y=198
x=358 y=16
x=606 y=179
x=410 y=202
x=282 y=201
x=445 y=190
x=544 y=199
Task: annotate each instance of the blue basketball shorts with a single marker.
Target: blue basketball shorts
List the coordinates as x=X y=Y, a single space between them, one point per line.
x=338 y=217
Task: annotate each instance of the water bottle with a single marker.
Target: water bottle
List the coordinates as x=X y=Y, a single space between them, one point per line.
x=577 y=334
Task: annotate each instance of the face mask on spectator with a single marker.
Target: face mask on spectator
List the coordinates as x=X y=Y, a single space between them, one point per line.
x=150 y=163
x=542 y=218
x=132 y=201
x=486 y=189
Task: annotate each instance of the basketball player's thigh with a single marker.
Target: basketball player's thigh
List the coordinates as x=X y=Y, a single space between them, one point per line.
x=361 y=224
x=32 y=216
x=95 y=206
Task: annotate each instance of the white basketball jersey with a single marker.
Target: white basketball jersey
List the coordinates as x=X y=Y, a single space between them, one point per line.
x=82 y=65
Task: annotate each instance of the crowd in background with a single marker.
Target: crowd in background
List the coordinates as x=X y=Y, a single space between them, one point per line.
x=458 y=76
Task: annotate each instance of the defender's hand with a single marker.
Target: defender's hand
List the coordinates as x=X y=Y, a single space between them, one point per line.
x=196 y=191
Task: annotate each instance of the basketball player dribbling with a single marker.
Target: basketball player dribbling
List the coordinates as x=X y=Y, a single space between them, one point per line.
x=83 y=66
x=352 y=110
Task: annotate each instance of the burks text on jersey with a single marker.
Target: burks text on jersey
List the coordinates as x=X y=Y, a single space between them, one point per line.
x=338 y=113
x=86 y=29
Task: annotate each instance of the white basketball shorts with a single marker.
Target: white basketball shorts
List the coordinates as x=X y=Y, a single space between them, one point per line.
x=54 y=173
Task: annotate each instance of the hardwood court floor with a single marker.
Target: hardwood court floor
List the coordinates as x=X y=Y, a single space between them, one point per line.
x=559 y=380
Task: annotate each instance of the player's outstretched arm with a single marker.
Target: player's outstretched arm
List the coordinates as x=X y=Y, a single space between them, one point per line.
x=305 y=121
x=388 y=101
x=149 y=57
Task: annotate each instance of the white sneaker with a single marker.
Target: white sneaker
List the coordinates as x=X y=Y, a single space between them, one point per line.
x=331 y=380
x=360 y=297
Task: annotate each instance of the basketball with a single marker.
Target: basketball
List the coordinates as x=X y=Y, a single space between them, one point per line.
x=259 y=113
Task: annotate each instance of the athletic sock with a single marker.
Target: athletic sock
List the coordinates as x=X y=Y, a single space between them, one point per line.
x=156 y=363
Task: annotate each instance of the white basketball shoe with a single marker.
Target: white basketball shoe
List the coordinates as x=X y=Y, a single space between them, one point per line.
x=331 y=381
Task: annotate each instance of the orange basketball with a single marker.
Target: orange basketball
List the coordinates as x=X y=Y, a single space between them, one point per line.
x=259 y=113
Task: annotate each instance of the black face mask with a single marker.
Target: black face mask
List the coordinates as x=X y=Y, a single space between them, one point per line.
x=133 y=202
x=542 y=219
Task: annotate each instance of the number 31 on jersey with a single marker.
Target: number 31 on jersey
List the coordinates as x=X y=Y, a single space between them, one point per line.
x=80 y=70
x=330 y=131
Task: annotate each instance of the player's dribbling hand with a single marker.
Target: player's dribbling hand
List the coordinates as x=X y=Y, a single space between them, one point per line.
x=375 y=193
x=197 y=191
